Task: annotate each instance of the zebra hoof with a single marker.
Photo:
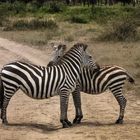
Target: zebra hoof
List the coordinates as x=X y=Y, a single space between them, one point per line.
x=66 y=123
x=66 y=126
x=4 y=122
x=119 y=121
x=77 y=119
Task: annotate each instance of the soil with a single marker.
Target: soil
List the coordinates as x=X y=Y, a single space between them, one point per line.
x=31 y=119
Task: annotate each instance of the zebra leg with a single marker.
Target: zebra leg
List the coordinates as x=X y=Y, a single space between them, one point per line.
x=4 y=110
x=6 y=100
x=122 y=103
x=77 y=103
x=64 y=98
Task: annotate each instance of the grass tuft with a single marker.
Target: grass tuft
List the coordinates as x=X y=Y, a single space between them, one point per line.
x=124 y=30
x=34 y=24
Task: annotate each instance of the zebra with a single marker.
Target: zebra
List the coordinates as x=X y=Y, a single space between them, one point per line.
x=39 y=82
x=106 y=78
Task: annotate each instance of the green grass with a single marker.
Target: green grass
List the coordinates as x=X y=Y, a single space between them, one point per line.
x=80 y=14
x=68 y=23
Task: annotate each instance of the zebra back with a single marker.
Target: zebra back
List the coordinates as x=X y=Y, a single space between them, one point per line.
x=106 y=78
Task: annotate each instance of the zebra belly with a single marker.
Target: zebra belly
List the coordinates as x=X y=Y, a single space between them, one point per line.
x=41 y=95
x=92 y=92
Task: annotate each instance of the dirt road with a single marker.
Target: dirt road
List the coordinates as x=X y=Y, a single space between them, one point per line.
x=31 y=119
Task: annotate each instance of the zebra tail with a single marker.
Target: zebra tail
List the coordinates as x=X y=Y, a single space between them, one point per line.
x=1 y=93
x=130 y=79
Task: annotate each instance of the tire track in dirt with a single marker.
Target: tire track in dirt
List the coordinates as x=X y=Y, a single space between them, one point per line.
x=39 y=120
x=25 y=52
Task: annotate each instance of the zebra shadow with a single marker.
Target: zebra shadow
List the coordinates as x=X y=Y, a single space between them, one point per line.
x=102 y=124
x=35 y=127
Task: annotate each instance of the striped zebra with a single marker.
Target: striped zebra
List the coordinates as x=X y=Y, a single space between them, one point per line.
x=39 y=82
x=97 y=82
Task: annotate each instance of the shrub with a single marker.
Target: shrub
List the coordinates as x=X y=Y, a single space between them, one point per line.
x=4 y=9
x=124 y=30
x=55 y=7
x=78 y=19
x=31 y=7
x=34 y=24
x=101 y=14
x=18 y=7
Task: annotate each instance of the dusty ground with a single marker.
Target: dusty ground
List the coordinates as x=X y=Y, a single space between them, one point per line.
x=39 y=119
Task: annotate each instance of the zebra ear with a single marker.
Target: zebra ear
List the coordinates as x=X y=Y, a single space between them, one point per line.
x=85 y=47
x=62 y=46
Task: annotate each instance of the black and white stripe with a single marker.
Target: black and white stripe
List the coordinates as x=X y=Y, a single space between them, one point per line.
x=109 y=77
x=40 y=82
x=96 y=82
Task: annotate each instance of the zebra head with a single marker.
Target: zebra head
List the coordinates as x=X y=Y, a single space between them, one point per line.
x=58 y=52
x=88 y=61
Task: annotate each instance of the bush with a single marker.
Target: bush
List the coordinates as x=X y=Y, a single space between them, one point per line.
x=102 y=14
x=55 y=7
x=125 y=30
x=34 y=24
x=31 y=7
x=4 y=7
x=18 y=7
x=78 y=19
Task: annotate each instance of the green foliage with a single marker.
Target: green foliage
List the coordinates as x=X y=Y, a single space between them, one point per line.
x=18 y=7
x=77 y=14
x=78 y=19
x=31 y=7
x=4 y=9
x=104 y=14
x=56 y=7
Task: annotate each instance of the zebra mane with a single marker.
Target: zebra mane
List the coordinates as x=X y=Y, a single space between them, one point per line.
x=77 y=47
x=61 y=47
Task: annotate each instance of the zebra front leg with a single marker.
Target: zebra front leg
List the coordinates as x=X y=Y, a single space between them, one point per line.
x=64 y=98
x=77 y=103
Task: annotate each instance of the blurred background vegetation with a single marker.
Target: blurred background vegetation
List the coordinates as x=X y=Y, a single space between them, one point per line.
x=119 y=20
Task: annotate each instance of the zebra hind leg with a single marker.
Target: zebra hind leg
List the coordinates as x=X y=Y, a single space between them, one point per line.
x=6 y=100
x=3 y=111
x=122 y=103
x=1 y=96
